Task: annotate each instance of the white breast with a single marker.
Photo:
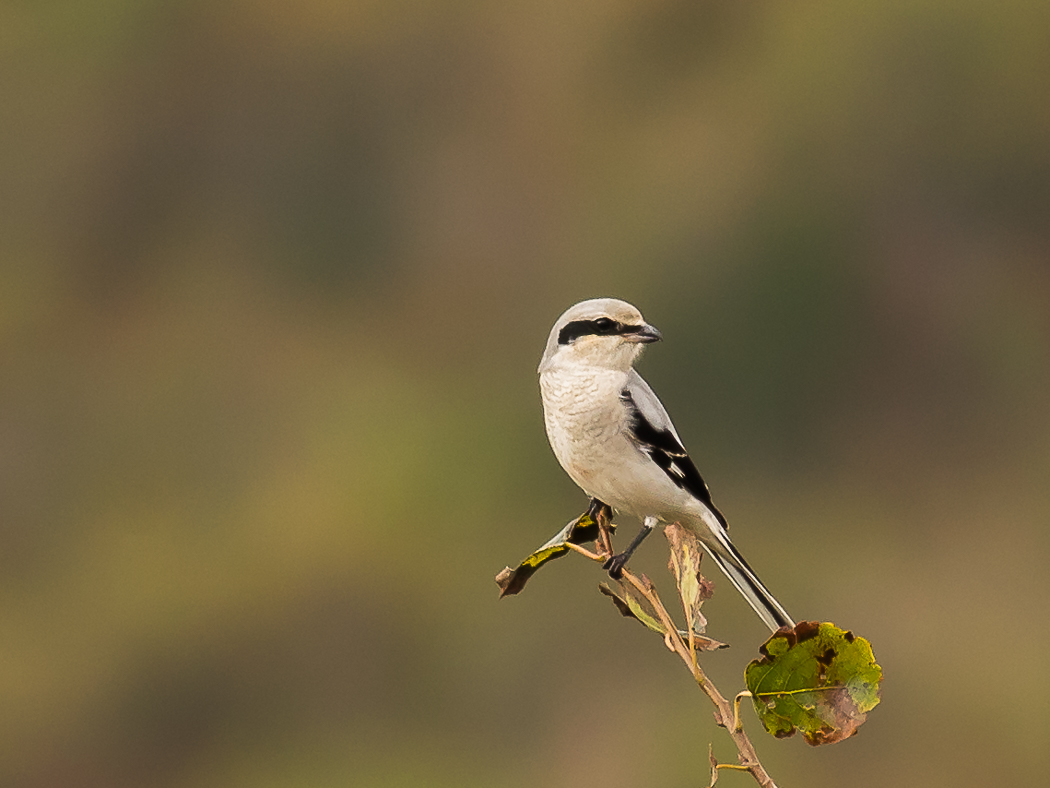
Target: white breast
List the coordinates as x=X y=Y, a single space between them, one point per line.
x=587 y=425
x=583 y=413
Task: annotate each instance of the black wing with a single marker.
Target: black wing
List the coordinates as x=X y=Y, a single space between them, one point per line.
x=663 y=447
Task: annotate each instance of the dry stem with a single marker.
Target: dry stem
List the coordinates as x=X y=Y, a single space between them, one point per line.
x=727 y=714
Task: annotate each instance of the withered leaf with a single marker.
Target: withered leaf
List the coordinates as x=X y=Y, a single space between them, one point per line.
x=684 y=563
x=583 y=529
x=631 y=606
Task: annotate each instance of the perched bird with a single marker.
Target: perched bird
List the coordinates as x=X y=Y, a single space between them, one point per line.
x=612 y=435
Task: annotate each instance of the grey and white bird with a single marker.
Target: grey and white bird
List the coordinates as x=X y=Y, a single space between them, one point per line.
x=612 y=435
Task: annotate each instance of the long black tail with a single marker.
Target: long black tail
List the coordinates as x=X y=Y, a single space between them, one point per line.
x=716 y=541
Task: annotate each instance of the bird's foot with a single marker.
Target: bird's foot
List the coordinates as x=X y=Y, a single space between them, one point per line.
x=614 y=566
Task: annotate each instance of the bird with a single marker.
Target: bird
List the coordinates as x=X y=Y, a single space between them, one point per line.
x=613 y=437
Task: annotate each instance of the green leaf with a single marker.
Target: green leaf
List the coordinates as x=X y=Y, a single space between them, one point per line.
x=817 y=679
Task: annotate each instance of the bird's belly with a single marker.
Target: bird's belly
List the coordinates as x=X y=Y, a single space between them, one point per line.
x=607 y=466
x=639 y=489
x=583 y=451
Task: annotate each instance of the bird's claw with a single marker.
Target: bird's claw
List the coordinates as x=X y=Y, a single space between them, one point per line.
x=614 y=566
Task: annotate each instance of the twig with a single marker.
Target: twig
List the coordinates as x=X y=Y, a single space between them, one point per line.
x=727 y=715
x=738 y=724
x=585 y=552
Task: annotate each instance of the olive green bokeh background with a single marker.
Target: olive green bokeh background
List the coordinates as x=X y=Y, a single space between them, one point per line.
x=275 y=281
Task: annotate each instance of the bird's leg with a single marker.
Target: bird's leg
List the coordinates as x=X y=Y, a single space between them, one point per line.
x=598 y=514
x=616 y=564
x=601 y=513
x=598 y=509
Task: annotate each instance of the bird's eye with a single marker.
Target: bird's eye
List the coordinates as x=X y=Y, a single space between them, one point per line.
x=599 y=327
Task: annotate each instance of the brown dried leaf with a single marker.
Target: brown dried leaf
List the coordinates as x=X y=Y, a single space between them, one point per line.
x=684 y=563
x=630 y=607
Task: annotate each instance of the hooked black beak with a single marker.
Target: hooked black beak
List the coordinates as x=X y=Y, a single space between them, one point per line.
x=644 y=335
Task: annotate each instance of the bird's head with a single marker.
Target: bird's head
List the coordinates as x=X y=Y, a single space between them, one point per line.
x=602 y=332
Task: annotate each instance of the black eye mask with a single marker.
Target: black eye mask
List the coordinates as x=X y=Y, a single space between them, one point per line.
x=602 y=327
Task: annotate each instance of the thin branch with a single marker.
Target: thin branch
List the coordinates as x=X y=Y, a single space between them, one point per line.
x=727 y=715
x=738 y=724
x=585 y=552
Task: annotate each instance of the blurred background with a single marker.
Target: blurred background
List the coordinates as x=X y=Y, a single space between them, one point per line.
x=275 y=281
